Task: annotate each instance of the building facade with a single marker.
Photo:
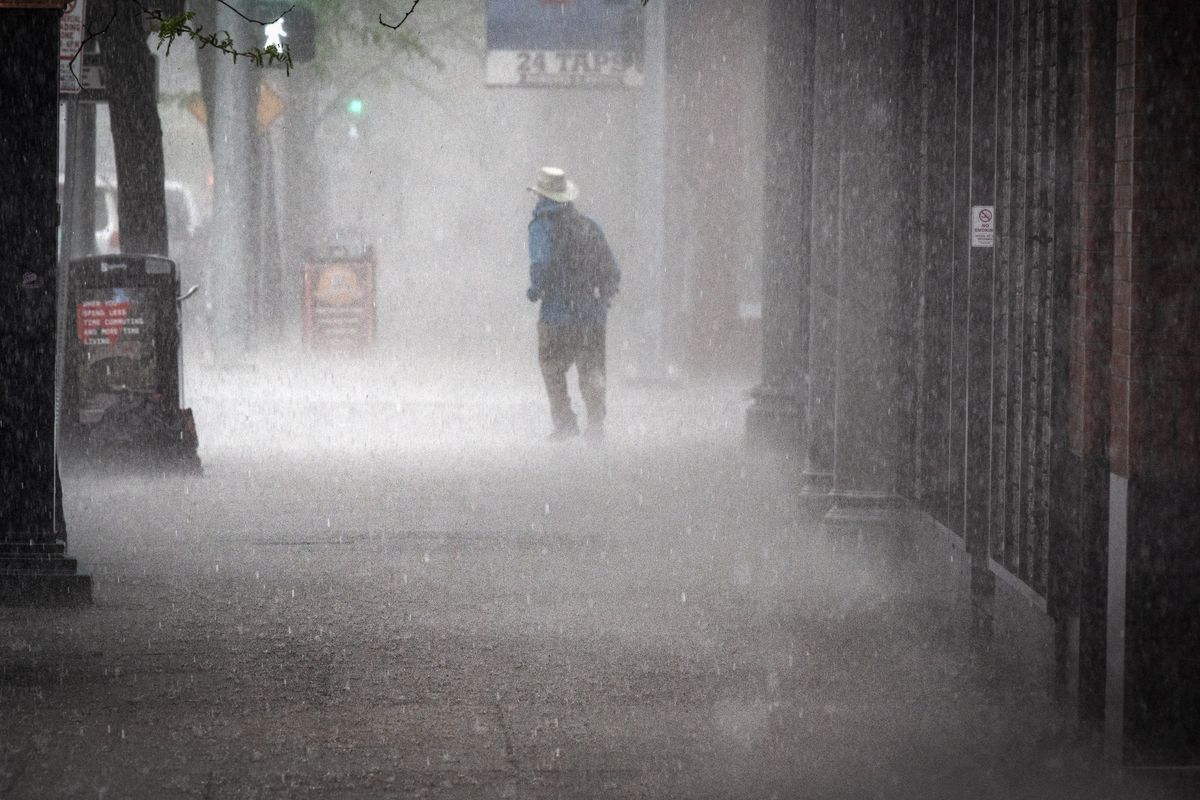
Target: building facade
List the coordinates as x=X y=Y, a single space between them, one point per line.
x=984 y=308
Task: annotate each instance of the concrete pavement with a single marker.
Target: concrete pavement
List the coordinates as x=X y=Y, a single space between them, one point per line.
x=386 y=585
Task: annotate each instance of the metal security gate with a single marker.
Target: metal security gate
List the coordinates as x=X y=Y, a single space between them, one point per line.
x=1029 y=304
x=990 y=333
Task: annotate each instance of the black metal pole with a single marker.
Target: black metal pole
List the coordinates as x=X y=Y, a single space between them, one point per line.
x=32 y=568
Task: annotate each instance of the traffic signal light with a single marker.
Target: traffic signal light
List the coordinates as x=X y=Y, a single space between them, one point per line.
x=356 y=120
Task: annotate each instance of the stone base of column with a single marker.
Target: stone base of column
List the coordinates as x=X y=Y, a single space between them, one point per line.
x=814 y=481
x=776 y=420
x=866 y=521
x=35 y=572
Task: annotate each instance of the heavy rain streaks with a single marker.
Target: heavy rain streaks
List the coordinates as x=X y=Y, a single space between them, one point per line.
x=808 y=525
x=478 y=612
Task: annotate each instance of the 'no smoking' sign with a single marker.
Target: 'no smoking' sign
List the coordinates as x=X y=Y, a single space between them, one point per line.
x=983 y=229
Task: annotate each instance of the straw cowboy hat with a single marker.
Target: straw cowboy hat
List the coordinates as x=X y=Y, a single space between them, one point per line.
x=552 y=182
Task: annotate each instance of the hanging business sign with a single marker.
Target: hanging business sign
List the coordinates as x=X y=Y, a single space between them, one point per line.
x=565 y=43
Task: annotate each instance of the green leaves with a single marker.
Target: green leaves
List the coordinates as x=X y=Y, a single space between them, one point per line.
x=177 y=26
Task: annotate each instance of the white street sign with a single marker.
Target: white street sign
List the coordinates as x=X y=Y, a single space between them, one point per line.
x=71 y=29
x=70 y=42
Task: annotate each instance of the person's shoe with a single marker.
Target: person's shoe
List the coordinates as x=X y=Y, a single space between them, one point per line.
x=564 y=433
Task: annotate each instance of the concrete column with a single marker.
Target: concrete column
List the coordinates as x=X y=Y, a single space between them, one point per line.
x=777 y=416
x=871 y=177
x=824 y=221
x=712 y=225
x=234 y=152
x=650 y=159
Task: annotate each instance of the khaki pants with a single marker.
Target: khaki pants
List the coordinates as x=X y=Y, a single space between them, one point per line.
x=560 y=346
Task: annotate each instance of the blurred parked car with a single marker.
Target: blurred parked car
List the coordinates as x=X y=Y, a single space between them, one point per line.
x=183 y=216
x=183 y=213
x=107 y=238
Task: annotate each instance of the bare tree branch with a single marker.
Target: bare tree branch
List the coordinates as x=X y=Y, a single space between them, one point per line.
x=90 y=35
x=260 y=22
x=403 y=19
x=172 y=27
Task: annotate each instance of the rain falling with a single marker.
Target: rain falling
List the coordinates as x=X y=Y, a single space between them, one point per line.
x=599 y=399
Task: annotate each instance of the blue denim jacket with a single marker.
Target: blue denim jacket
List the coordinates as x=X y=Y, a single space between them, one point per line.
x=555 y=310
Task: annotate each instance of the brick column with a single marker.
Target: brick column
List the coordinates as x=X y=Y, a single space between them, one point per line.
x=1091 y=344
x=1153 y=687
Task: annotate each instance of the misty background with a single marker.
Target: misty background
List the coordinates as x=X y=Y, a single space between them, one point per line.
x=432 y=174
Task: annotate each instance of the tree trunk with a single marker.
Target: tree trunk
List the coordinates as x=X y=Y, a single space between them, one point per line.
x=136 y=128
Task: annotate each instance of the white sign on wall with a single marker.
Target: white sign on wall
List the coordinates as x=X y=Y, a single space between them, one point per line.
x=983 y=226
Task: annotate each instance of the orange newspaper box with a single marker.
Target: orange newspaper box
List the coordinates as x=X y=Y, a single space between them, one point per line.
x=339 y=298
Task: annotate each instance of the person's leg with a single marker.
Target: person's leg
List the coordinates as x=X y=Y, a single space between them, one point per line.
x=555 y=359
x=590 y=360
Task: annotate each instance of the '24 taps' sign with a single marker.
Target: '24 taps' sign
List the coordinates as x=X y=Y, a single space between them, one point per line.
x=565 y=43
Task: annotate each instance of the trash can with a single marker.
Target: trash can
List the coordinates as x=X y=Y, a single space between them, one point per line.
x=122 y=395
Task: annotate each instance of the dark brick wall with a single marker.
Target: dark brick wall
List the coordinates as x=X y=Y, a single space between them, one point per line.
x=1092 y=237
x=1155 y=422
x=1154 y=432
x=1162 y=627
x=1061 y=362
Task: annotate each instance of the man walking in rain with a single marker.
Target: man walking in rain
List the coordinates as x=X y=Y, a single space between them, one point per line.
x=573 y=273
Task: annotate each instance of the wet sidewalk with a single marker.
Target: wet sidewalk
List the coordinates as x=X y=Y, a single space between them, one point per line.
x=401 y=591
